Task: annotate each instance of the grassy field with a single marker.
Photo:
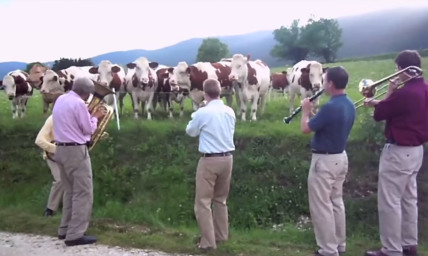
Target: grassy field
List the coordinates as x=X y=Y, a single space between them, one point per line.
x=144 y=180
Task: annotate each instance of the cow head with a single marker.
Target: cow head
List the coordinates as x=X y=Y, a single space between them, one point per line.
x=180 y=77
x=106 y=72
x=35 y=75
x=239 y=69
x=51 y=82
x=144 y=73
x=312 y=76
x=12 y=80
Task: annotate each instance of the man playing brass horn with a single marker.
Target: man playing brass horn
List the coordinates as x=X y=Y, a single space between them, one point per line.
x=73 y=127
x=406 y=130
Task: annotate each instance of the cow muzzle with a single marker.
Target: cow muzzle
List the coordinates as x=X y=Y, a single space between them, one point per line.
x=11 y=97
x=145 y=81
x=232 y=78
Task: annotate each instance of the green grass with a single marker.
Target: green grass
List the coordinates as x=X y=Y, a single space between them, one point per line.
x=142 y=199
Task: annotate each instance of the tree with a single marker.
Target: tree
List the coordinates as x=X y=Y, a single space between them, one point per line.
x=291 y=45
x=63 y=63
x=323 y=38
x=318 y=38
x=212 y=50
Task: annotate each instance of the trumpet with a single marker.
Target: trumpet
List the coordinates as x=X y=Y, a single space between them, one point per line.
x=368 y=88
x=287 y=120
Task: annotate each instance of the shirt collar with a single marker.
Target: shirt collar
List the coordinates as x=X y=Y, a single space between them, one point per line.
x=215 y=102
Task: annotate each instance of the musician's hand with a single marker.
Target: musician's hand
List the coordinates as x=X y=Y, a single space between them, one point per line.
x=100 y=112
x=370 y=102
x=306 y=105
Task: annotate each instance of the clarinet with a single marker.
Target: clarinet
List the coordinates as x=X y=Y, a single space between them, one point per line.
x=287 y=120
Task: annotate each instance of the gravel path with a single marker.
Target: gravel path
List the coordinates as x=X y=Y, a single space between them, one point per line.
x=16 y=244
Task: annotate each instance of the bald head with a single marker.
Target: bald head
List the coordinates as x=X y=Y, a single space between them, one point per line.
x=212 y=88
x=83 y=86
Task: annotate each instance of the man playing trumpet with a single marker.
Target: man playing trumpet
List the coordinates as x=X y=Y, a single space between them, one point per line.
x=405 y=111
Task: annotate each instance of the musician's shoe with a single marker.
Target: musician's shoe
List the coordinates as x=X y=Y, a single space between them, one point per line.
x=375 y=253
x=410 y=251
x=61 y=237
x=48 y=212
x=81 y=241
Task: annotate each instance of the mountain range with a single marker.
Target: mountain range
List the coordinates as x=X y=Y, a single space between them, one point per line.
x=363 y=35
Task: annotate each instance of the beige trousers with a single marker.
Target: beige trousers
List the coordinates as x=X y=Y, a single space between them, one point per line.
x=325 y=185
x=212 y=187
x=57 y=190
x=76 y=175
x=397 y=197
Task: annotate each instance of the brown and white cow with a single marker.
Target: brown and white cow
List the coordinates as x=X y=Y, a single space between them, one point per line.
x=112 y=76
x=168 y=90
x=252 y=80
x=279 y=82
x=52 y=86
x=142 y=82
x=18 y=90
x=197 y=73
x=305 y=80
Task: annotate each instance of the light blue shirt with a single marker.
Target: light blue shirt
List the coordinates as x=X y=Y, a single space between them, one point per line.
x=215 y=126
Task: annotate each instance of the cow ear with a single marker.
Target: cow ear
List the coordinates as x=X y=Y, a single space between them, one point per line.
x=284 y=72
x=171 y=70
x=324 y=69
x=188 y=70
x=309 y=66
x=115 y=69
x=93 y=70
x=153 y=64
x=131 y=65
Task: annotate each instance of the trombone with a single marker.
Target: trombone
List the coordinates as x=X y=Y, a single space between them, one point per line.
x=368 y=90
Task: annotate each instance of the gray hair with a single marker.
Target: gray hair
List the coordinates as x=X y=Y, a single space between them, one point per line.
x=83 y=86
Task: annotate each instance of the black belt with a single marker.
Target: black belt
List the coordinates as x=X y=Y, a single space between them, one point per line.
x=69 y=144
x=325 y=152
x=217 y=154
x=391 y=141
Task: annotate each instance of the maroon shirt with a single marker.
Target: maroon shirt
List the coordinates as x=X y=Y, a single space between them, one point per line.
x=406 y=114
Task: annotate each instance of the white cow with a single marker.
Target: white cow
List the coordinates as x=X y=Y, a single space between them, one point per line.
x=18 y=90
x=252 y=81
x=305 y=78
x=142 y=82
x=52 y=86
x=111 y=76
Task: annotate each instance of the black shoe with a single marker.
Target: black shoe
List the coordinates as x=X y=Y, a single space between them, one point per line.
x=81 y=241
x=48 y=212
x=61 y=237
x=410 y=251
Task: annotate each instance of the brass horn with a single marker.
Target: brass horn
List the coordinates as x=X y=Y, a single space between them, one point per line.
x=368 y=88
x=97 y=102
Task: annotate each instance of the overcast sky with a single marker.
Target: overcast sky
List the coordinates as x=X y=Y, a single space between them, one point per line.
x=45 y=30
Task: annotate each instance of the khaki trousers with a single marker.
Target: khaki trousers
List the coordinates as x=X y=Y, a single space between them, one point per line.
x=397 y=197
x=212 y=187
x=57 y=190
x=76 y=175
x=325 y=185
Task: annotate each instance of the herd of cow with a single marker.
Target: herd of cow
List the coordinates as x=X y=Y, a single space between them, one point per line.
x=149 y=83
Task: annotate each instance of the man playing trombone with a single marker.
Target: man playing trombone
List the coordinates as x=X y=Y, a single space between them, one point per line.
x=405 y=111
x=329 y=166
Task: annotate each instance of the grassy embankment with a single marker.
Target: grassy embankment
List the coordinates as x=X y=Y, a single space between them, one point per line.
x=144 y=180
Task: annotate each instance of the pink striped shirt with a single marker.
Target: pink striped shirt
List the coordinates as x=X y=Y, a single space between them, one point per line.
x=72 y=121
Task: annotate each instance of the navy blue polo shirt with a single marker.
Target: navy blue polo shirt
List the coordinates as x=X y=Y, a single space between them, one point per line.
x=332 y=124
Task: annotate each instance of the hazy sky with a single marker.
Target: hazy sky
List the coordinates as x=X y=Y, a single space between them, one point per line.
x=45 y=30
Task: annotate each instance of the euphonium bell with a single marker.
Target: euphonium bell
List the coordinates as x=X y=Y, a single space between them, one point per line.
x=96 y=102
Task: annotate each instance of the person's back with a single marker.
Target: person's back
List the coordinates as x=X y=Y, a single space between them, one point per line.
x=339 y=116
x=217 y=127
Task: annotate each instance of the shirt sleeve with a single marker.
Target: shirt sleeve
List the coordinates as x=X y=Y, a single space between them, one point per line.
x=390 y=107
x=321 y=119
x=193 y=128
x=87 y=123
x=43 y=137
